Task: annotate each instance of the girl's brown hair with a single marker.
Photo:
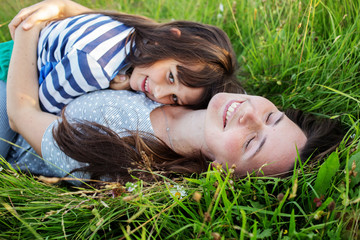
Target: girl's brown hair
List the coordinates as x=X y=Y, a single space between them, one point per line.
x=197 y=44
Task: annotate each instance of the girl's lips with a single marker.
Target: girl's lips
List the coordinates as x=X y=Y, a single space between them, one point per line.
x=144 y=86
x=229 y=110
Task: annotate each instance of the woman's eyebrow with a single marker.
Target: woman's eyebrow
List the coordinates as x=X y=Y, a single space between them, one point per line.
x=264 y=139
x=258 y=149
x=279 y=119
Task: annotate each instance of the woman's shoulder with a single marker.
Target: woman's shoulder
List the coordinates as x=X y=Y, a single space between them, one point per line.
x=127 y=97
x=109 y=102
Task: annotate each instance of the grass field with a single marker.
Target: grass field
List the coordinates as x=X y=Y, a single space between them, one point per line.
x=298 y=53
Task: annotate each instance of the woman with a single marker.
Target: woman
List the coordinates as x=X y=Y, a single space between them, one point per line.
x=236 y=129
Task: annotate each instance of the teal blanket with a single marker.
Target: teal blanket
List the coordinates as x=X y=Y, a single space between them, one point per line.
x=5 y=55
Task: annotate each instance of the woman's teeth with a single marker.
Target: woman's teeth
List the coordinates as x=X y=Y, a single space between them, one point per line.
x=231 y=110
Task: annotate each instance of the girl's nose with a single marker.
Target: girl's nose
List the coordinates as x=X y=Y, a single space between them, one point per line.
x=160 y=92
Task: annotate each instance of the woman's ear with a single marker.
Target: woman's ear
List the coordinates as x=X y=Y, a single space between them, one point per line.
x=175 y=31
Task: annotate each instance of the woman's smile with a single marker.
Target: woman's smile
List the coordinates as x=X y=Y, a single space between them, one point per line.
x=254 y=128
x=230 y=110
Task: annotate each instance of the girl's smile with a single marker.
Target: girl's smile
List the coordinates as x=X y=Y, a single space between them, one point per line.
x=145 y=86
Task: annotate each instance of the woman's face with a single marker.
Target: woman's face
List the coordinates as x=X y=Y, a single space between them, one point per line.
x=250 y=132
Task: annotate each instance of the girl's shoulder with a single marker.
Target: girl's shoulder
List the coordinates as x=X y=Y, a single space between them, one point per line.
x=86 y=17
x=90 y=21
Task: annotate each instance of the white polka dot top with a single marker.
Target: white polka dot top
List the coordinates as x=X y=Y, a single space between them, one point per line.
x=118 y=110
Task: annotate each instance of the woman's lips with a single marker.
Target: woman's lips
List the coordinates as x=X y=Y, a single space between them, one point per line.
x=229 y=111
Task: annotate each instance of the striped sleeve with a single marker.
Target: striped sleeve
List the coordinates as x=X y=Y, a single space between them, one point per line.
x=76 y=74
x=78 y=55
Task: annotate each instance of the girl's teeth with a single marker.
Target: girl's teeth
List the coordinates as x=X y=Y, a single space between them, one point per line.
x=146 y=85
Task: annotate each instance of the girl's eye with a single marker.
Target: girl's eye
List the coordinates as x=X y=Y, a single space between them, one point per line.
x=174 y=98
x=268 y=117
x=247 y=144
x=171 y=78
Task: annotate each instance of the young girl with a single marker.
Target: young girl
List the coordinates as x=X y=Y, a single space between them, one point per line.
x=179 y=63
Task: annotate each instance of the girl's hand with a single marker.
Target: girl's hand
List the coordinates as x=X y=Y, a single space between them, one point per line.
x=120 y=82
x=46 y=10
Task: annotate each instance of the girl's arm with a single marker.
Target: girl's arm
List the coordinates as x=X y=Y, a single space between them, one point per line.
x=45 y=11
x=25 y=115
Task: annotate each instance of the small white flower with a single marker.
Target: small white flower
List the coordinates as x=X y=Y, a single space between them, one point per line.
x=130 y=187
x=221 y=7
x=177 y=191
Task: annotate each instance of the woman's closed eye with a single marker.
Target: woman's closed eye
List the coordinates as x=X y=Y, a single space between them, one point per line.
x=248 y=142
x=268 y=117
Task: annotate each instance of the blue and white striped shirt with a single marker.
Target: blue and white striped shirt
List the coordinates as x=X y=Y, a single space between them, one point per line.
x=79 y=55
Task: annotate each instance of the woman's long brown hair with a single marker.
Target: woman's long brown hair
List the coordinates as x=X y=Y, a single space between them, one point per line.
x=116 y=158
x=323 y=135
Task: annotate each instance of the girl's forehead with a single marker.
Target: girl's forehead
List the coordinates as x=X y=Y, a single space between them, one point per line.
x=192 y=66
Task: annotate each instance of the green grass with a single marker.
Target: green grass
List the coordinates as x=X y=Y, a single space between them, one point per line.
x=302 y=54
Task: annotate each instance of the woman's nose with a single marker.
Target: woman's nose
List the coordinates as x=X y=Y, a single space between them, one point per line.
x=251 y=119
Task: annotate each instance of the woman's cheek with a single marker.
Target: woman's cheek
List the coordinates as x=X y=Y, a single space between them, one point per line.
x=232 y=144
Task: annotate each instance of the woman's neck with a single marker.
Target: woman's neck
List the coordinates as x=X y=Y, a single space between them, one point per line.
x=185 y=129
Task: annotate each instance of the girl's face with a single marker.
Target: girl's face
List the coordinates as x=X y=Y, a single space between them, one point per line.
x=250 y=132
x=160 y=83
